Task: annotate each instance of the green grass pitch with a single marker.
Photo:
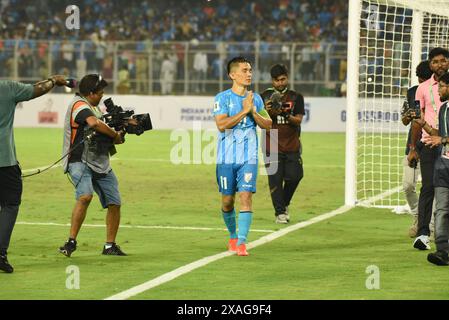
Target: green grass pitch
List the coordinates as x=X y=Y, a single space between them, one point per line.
x=327 y=260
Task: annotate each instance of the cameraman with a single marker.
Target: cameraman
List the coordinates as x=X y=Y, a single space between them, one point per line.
x=11 y=93
x=410 y=173
x=286 y=109
x=89 y=142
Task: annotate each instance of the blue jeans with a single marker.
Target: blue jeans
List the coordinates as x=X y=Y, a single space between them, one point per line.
x=87 y=181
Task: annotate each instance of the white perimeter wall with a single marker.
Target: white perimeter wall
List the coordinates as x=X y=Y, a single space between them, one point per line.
x=173 y=112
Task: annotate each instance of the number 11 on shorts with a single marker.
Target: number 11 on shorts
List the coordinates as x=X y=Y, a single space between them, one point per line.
x=224 y=182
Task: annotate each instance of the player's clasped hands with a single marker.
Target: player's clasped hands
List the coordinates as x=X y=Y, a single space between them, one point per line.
x=248 y=102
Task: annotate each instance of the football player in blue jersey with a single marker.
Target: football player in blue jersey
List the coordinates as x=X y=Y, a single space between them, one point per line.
x=237 y=112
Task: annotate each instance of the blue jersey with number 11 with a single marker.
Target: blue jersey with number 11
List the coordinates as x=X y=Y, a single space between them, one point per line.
x=239 y=144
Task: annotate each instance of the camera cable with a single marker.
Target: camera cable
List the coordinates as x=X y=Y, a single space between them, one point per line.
x=39 y=171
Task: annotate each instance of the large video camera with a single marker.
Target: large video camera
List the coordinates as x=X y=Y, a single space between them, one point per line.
x=412 y=112
x=118 y=118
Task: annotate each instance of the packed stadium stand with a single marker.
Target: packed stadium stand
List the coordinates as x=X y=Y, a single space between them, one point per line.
x=136 y=44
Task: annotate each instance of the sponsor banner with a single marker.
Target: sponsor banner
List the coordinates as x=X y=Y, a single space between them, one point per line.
x=180 y=112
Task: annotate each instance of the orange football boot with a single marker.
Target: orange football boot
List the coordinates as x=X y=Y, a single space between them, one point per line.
x=241 y=250
x=232 y=245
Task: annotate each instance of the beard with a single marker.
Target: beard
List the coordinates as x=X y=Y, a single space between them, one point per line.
x=440 y=72
x=280 y=88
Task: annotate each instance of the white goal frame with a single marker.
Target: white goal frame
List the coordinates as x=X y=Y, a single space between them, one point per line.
x=421 y=43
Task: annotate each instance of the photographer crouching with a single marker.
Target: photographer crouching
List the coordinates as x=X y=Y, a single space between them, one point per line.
x=89 y=141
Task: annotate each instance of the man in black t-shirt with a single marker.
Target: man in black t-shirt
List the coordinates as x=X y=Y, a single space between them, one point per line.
x=286 y=109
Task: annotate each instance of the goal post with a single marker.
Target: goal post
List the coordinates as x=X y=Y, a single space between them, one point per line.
x=386 y=41
x=355 y=9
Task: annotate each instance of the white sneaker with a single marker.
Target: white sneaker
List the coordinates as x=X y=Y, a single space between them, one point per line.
x=401 y=209
x=422 y=243
x=286 y=214
x=282 y=218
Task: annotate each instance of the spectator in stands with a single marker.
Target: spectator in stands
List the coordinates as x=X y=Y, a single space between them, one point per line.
x=25 y=62
x=167 y=20
x=124 y=85
x=141 y=73
x=167 y=76
x=67 y=50
x=200 y=66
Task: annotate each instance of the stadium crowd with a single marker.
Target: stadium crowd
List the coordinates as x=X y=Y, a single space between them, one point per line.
x=178 y=20
x=34 y=40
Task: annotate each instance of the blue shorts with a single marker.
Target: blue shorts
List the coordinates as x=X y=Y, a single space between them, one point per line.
x=232 y=178
x=86 y=182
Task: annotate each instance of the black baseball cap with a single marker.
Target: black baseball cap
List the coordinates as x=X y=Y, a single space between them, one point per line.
x=92 y=83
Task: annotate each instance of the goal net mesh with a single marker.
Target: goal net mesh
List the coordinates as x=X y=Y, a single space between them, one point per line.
x=386 y=71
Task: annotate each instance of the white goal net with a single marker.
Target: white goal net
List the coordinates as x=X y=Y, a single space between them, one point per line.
x=387 y=40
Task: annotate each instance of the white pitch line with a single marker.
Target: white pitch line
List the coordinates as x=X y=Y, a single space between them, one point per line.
x=134 y=227
x=387 y=193
x=169 y=161
x=261 y=165
x=205 y=261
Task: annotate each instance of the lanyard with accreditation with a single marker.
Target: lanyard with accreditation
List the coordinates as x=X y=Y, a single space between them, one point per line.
x=434 y=105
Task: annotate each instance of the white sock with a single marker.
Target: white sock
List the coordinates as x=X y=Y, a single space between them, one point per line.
x=108 y=245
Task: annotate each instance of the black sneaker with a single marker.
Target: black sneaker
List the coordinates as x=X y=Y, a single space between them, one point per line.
x=4 y=265
x=113 y=251
x=68 y=248
x=439 y=258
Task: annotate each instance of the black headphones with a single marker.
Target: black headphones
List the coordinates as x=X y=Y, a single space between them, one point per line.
x=97 y=83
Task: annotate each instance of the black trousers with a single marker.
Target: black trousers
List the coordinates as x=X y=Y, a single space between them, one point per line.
x=10 y=199
x=284 y=181
x=427 y=158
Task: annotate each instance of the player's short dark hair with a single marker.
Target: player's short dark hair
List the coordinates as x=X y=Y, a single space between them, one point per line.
x=92 y=83
x=423 y=70
x=444 y=78
x=278 y=70
x=437 y=51
x=235 y=61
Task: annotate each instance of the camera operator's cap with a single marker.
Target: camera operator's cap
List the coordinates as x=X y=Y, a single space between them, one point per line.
x=92 y=83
